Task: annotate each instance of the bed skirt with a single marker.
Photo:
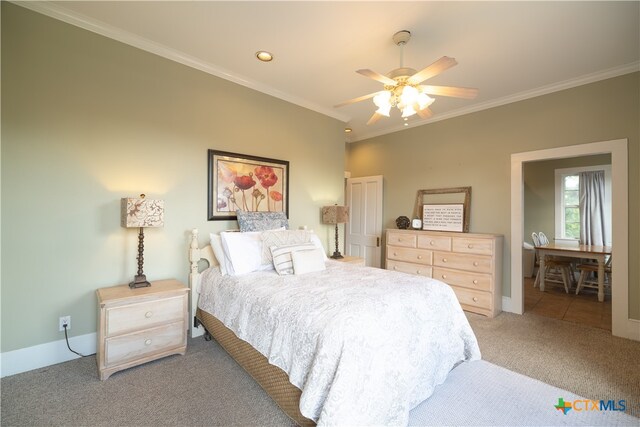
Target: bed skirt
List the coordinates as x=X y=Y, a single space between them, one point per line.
x=271 y=378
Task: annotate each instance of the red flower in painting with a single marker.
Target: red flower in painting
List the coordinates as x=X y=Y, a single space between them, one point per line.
x=275 y=195
x=266 y=175
x=244 y=182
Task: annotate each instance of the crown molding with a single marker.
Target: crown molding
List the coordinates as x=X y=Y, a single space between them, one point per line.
x=521 y=96
x=70 y=17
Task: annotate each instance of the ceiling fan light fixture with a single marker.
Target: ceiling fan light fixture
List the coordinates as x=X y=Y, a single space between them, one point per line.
x=408 y=111
x=424 y=101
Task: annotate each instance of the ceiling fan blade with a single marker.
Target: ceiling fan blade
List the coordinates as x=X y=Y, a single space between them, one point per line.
x=456 y=92
x=432 y=70
x=377 y=77
x=358 y=99
x=425 y=113
x=374 y=118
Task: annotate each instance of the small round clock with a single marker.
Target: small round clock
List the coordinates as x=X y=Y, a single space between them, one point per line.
x=402 y=222
x=416 y=224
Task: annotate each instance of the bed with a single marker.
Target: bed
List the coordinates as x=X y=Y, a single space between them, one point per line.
x=344 y=345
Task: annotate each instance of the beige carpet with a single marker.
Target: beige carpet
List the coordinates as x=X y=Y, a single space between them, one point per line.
x=206 y=387
x=587 y=361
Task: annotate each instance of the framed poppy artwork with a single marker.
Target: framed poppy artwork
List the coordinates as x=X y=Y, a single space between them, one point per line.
x=248 y=183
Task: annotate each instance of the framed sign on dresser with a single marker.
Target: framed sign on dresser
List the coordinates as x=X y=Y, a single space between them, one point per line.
x=470 y=263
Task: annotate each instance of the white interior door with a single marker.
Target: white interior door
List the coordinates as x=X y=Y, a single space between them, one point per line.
x=363 y=232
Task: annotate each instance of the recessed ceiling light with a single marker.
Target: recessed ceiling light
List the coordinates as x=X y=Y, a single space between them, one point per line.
x=264 y=56
x=347 y=130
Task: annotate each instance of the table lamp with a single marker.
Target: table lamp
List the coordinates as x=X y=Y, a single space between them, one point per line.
x=142 y=213
x=335 y=215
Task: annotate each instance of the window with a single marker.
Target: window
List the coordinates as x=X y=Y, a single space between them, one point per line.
x=570 y=228
x=567 y=206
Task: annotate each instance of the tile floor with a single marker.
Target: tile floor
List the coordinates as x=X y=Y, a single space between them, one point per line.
x=555 y=303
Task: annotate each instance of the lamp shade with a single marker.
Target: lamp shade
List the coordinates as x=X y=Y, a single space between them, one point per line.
x=141 y=212
x=335 y=214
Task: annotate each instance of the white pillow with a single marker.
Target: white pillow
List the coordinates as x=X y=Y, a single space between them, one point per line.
x=223 y=261
x=308 y=261
x=244 y=250
x=281 y=238
x=313 y=238
x=282 y=261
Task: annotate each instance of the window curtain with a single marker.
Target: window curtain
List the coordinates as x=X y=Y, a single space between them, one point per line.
x=592 y=229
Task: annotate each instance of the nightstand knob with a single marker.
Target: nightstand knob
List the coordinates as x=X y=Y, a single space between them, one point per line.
x=470 y=246
x=148 y=314
x=432 y=243
x=444 y=276
x=418 y=272
x=444 y=260
x=475 y=299
x=475 y=282
x=419 y=256
x=475 y=263
x=395 y=254
x=147 y=342
x=395 y=268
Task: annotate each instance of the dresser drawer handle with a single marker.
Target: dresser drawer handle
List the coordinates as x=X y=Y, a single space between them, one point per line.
x=419 y=256
x=432 y=243
x=147 y=342
x=475 y=299
x=400 y=239
x=148 y=314
x=395 y=268
x=470 y=246
x=475 y=263
x=444 y=260
x=444 y=276
x=395 y=254
x=475 y=282
x=418 y=272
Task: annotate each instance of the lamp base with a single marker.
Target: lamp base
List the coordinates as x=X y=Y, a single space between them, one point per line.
x=337 y=255
x=139 y=281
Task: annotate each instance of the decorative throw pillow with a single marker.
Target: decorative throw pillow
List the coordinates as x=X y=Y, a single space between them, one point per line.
x=261 y=221
x=282 y=260
x=244 y=250
x=307 y=261
x=281 y=238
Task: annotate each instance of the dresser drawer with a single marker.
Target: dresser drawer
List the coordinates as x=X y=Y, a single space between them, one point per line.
x=401 y=239
x=420 y=256
x=474 y=263
x=144 y=315
x=473 y=246
x=133 y=346
x=405 y=267
x=472 y=297
x=479 y=281
x=435 y=243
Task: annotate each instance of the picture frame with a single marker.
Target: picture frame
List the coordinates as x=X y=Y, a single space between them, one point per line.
x=444 y=196
x=245 y=182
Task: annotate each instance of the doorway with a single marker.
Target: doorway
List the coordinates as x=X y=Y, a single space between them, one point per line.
x=620 y=215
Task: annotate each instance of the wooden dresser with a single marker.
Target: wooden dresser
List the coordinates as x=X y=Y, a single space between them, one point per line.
x=470 y=263
x=139 y=325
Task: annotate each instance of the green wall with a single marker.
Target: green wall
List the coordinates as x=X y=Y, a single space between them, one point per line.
x=540 y=191
x=87 y=120
x=474 y=150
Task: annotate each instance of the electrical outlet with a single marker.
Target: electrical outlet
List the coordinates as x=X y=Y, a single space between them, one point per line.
x=64 y=320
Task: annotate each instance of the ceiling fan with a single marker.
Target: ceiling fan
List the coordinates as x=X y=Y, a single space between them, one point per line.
x=402 y=88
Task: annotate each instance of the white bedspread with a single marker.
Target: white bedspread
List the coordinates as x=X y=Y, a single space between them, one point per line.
x=364 y=345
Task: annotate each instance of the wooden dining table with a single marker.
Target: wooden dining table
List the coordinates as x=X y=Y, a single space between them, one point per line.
x=598 y=253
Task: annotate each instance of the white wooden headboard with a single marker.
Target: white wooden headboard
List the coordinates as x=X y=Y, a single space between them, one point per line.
x=196 y=253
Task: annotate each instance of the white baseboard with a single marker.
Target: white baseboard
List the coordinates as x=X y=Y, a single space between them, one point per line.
x=39 y=356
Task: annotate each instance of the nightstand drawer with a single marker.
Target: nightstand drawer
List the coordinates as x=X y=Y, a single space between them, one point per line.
x=144 y=315
x=405 y=267
x=124 y=348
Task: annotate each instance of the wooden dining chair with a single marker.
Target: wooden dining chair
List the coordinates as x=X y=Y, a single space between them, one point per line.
x=588 y=270
x=557 y=269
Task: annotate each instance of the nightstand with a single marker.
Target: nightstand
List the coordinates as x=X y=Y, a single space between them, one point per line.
x=136 y=326
x=352 y=260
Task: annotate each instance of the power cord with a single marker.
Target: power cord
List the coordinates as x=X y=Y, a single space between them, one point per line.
x=66 y=337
